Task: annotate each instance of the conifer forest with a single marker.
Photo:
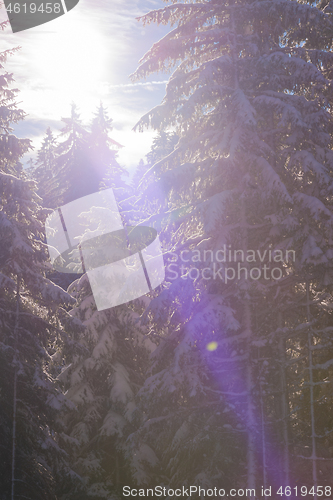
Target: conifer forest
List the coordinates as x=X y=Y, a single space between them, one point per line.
x=218 y=383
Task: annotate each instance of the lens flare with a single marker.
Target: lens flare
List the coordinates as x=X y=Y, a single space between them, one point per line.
x=211 y=346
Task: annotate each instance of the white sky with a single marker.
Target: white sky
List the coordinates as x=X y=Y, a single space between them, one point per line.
x=86 y=56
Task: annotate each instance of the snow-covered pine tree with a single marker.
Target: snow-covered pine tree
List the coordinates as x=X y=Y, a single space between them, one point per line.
x=249 y=100
x=45 y=166
x=309 y=373
x=101 y=382
x=73 y=175
x=80 y=163
x=148 y=189
x=31 y=308
x=163 y=144
x=140 y=170
x=103 y=156
x=156 y=194
x=103 y=150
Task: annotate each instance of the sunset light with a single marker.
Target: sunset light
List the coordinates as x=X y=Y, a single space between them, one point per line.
x=72 y=59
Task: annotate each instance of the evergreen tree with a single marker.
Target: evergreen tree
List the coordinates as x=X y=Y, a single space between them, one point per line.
x=63 y=170
x=140 y=170
x=45 y=167
x=79 y=162
x=74 y=175
x=101 y=382
x=103 y=155
x=103 y=149
x=249 y=99
x=31 y=311
x=163 y=144
x=102 y=379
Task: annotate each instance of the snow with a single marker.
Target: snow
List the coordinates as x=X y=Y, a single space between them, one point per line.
x=80 y=433
x=121 y=390
x=113 y=425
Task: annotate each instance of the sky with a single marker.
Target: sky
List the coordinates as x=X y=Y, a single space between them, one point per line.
x=86 y=56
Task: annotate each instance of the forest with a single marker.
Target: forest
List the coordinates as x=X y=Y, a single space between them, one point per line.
x=220 y=378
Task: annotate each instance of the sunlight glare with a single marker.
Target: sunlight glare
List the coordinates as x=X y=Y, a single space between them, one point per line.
x=212 y=346
x=72 y=59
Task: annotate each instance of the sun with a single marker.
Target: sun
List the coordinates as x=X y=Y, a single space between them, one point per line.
x=72 y=58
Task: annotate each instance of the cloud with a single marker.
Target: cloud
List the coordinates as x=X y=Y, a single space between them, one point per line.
x=137 y=84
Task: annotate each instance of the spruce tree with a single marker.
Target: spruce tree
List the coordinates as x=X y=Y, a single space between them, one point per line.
x=163 y=144
x=74 y=176
x=101 y=383
x=103 y=152
x=252 y=171
x=103 y=149
x=79 y=162
x=45 y=167
x=31 y=316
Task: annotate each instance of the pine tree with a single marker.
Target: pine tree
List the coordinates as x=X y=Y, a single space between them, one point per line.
x=139 y=172
x=163 y=144
x=103 y=156
x=74 y=175
x=249 y=100
x=101 y=382
x=103 y=149
x=31 y=310
x=45 y=167
x=79 y=162
x=64 y=170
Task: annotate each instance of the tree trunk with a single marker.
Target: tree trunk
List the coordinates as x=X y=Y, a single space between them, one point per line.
x=313 y=431
x=251 y=447
x=17 y=318
x=247 y=324
x=263 y=442
x=283 y=406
